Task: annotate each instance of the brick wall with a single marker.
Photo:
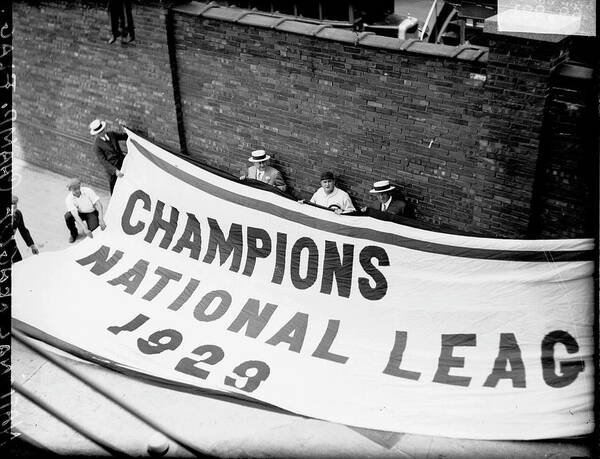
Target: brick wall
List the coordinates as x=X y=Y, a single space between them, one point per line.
x=68 y=75
x=567 y=183
x=519 y=74
x=459 y=130
x=315 y=105
x=464 y=149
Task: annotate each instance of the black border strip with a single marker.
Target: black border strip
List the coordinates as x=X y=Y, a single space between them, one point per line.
x=364 y=233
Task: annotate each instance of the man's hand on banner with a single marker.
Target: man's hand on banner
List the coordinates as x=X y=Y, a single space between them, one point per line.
x=337 y=209
x=88 y=233
x=119 y=174
x=102 y=225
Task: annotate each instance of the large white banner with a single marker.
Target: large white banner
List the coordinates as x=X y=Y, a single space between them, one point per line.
x=202 y=281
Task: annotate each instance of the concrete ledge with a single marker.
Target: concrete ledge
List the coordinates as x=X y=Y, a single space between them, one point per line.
x=193 y=8
x=379 y=41
x=325 y=31
x=301 y=28
x=258 y=20
x=224 y=14
x=345 y=36
x=579 y=72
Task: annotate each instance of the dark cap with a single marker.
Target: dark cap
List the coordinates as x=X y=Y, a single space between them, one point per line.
x=327 y=176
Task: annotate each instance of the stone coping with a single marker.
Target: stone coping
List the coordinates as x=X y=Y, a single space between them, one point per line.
x=326 y=31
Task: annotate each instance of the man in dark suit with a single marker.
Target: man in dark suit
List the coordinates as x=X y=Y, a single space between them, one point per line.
x=108 y=151
x=18 y=224
x=260 y=170
x=394 y=205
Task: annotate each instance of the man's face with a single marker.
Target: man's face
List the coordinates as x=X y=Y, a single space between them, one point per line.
x=327 y=185
x=101 y=133
x=76 y=190
x=261 y=165
x=383 y=197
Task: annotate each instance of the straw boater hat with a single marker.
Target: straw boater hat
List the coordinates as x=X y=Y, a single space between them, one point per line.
x=97 y=126
x=382 y=186
x=258 y=156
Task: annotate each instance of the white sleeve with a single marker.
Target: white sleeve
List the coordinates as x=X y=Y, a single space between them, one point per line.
x=92 y=195
x=70 y=205
x=348 y=206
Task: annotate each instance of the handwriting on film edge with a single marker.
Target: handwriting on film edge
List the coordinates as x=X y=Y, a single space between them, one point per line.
x=9 y=411
x=8 y=115
x=2 y=35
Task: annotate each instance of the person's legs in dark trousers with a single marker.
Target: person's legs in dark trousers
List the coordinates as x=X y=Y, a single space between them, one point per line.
x=117 y=18
x=70 y=221
x=91 y=220
x=113 y=178
x=14 y=250
x=16 y=256
x=111 y=182
x=128 y=14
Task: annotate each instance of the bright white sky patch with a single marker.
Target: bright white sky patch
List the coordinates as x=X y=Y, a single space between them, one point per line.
x=565 y=17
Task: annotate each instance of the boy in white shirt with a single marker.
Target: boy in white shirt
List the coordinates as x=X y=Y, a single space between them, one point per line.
x=83 y=204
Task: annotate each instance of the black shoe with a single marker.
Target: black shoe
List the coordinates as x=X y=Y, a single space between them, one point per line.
x=112 y=40
x=131 y=39
x=72 y=239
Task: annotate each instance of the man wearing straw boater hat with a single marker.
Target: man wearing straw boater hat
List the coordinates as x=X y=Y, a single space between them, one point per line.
x=108 y=151
x=388 y=203
x=260 y=170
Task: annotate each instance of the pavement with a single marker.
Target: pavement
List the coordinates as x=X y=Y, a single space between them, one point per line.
x=42 y=201
x=214 y=425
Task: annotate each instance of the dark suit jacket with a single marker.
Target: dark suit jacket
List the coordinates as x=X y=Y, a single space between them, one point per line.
x=109 y=152
x=19 y=225
x=271 y=176
x=399 y=207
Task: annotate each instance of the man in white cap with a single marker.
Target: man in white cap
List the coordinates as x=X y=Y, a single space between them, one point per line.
x=260 y=170
x=108 y=151
x=332 y=197
x=83 y=205
x=388 y=203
